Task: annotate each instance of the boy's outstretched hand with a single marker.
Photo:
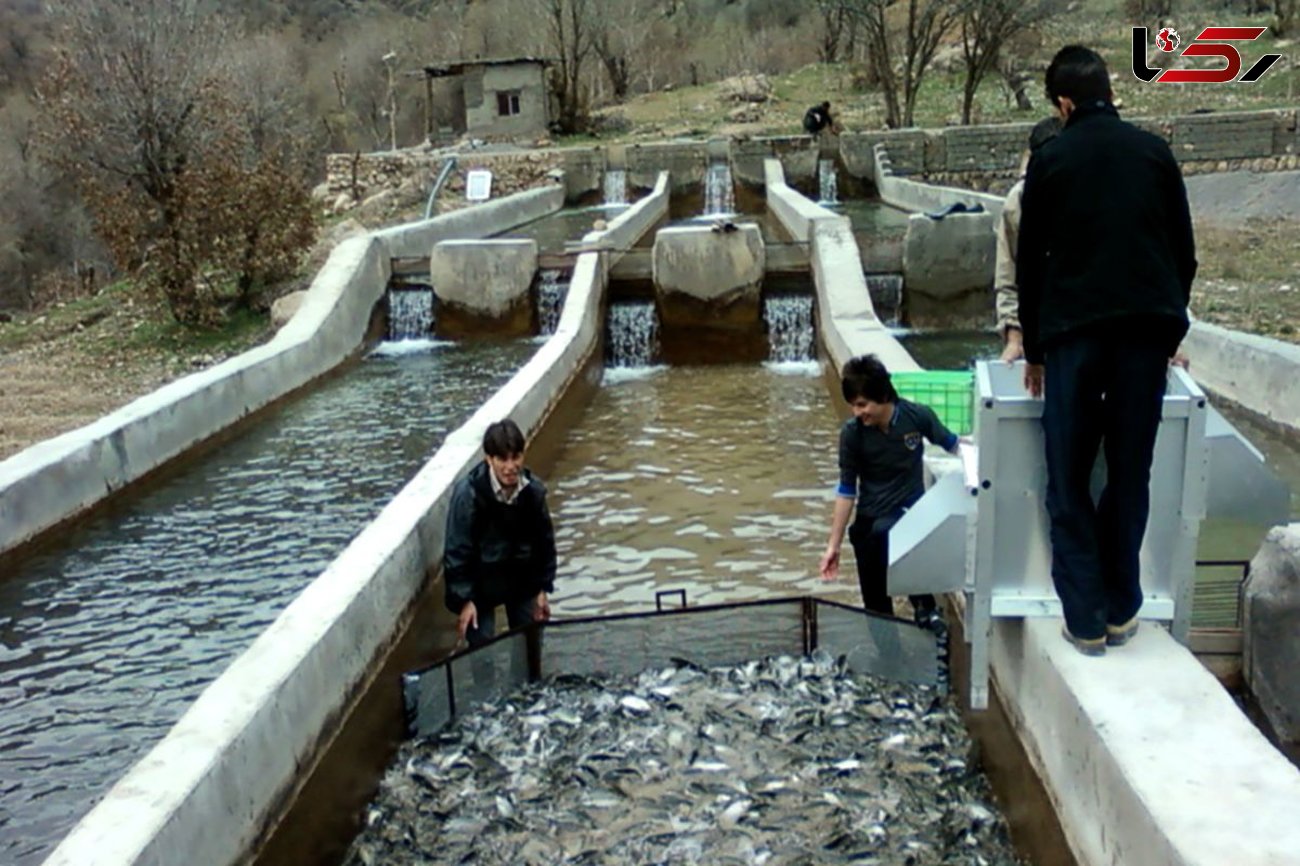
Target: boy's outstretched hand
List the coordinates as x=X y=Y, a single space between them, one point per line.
x=468 y=618
x=830 y=565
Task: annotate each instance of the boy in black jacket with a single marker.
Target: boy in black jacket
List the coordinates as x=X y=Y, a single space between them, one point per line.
x=500 y=547
x=1105 y=265
x=881 y=476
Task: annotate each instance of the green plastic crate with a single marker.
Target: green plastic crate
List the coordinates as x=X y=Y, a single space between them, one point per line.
x=950 y=393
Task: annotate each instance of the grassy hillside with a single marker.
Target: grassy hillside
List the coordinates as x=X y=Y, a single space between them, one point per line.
x=704 y=110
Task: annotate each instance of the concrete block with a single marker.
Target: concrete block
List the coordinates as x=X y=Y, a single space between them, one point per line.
x=1271 y=657
x=709 y=266
x=948 y=270
x=708 y=293
x=584 y=171
x=483 y=285
x=1258 y=372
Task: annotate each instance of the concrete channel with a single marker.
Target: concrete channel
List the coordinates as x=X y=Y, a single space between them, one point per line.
x=1142 y=758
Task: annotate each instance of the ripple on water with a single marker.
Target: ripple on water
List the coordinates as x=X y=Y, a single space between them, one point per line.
x=106 y=640
x=713 y=479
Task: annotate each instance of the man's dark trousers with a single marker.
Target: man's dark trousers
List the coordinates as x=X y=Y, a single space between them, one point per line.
x=870 y=539
x=1100 y=388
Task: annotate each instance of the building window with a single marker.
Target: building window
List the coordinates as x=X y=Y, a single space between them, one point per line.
x=507 y=103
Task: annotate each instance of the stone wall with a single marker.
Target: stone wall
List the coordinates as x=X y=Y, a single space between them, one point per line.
x=987 y=158
x=353 y=178
x=983 y=158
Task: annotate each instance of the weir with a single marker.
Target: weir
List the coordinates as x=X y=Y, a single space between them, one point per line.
x=213 y=789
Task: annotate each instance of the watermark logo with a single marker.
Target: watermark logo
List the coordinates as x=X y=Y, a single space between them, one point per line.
x=1210 y=42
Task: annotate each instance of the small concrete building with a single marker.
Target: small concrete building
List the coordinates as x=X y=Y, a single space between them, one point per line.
x=499 y=98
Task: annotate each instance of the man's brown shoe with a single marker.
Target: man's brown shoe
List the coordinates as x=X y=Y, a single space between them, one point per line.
x=1118 y=635
x=1088 y=646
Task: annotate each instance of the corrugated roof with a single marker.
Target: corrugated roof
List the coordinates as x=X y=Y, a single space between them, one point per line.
x=458 y=67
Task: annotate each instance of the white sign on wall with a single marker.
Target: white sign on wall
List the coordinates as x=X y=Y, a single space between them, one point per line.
x=478 y=185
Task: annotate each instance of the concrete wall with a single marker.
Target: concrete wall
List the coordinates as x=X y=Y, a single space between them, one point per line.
x=1260 y=373
x=415 y=240
x=685 y=164
x=482 y=286
x=56 y=479
x=1147 y=758
x=627 y=228
x=796 y=213
x=988 y=157
x=481 y=86
x=915 y=196
x=203 y=794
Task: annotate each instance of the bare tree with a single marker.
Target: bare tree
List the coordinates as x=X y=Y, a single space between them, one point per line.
x=571 y=42
x=986 y=27
x=838 y=34
x=619 y=34
x=140 y=109
x=1286 y=17
x=899 y=52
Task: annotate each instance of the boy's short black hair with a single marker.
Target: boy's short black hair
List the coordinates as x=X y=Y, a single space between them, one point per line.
x=1044 y=131
x=1078 y=73
x=503 y=439
x=865 y=376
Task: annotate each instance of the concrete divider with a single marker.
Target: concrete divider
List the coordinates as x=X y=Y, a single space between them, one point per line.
x=846 y=319
x=54 y=480
x=1260 y=373
x=1146 y=757
x=225 y=770
x=627 y=228
x=914 y=196
x=414 y=240
x=796 y=212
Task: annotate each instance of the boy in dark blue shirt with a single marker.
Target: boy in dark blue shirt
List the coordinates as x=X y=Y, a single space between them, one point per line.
x=880 y=469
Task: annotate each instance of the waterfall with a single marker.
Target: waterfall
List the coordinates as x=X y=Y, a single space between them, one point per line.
x=632 y=334
x=886 y=297
x=410 y=313
x=551 y=291
x=719 y=194
x=789 y=327
x=827 y=182
x=615 y=186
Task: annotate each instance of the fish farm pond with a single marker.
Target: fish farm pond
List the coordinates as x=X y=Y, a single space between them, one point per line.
x=782 y=761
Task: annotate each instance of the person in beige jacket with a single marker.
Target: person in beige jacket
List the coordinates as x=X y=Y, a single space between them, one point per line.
x=1006 y=295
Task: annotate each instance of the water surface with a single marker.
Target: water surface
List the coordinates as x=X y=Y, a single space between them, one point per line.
x=106 y=639
x=718 y=480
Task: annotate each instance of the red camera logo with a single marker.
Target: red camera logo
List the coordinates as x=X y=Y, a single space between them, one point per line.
x=1204 y=45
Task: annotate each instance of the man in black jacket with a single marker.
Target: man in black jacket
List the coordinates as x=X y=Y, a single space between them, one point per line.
x=1105 y=265
x=500 y=547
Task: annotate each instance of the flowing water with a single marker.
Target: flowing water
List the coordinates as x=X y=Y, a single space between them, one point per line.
x=410 y=313
x=717 y=480
x=552 y=289
x=789 y=321
x=886 y=292
x=615 y=186
x=719 y=192
x=828 y=187
x=105 y=640
x=632 y=334
x=553 y=231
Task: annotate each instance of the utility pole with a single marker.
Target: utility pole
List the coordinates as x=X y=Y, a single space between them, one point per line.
x=392 y=100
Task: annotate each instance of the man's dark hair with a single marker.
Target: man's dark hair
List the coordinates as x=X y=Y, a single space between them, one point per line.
x=826 y=106
x=503 y=439
x=1044 y=131
x=865 y=376
x=1078 y=73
